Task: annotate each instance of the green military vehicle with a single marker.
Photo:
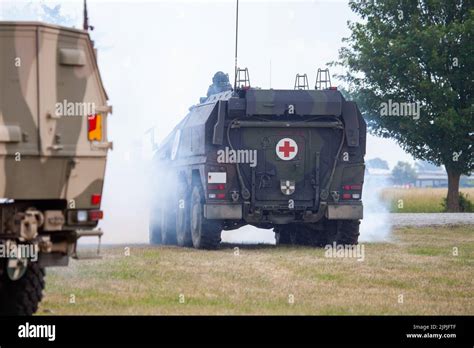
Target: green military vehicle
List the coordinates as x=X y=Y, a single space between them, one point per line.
x=53 y=147
x=291 y=160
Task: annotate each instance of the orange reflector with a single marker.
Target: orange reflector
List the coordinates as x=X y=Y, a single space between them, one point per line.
x=94 y=127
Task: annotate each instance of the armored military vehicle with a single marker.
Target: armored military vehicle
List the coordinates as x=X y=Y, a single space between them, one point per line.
x=291 y=160
x=53 y=147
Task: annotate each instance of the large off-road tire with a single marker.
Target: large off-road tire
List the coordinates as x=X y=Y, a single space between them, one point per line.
x=303 y=234
x=282 y=235
x=168 y=225
x=183 y=218
x=344 y=232
x=206 y=234
x=22 y=297
x=154 y=228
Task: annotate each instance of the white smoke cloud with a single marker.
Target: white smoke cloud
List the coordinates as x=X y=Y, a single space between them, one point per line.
x=376 y=225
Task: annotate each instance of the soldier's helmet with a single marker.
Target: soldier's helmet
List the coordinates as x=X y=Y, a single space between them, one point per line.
x=220 y=83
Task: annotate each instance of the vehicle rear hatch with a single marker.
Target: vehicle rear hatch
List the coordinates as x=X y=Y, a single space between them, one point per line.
x=294 y=161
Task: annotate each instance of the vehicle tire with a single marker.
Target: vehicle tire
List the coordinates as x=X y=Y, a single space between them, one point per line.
x=344 y=232
x=22 y=297
x=282 y=235
x=300 y=234
x=154 y=227
x=183 y=219
x=206 y=234
x=168 y=225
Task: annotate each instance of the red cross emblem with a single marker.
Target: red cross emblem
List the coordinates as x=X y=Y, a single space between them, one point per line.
x=286 y=149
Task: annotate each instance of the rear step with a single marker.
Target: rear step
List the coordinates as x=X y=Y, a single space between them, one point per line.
x=88 y=233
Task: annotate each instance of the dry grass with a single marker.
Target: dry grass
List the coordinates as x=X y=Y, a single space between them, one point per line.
x=419 y=265
x=419 y=200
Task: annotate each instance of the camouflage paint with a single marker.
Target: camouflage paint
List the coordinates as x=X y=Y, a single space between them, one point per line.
x=57 y=159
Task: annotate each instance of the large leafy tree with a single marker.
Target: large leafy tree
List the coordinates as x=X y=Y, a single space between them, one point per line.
x=407 y=51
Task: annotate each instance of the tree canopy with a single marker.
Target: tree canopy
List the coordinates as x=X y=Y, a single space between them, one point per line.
x=414 y=60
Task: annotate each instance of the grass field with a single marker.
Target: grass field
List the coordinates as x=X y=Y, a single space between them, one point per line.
x=419 y=265
x=418 y=200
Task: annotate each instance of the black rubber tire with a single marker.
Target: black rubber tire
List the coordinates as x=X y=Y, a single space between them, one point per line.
x=154 y=228
x=206 y=234
x=282 y=235
x=303 y=234
x=168 y=225
x=348 y=232
x=22 y=297
x=343 y=232
x=154 y=224
x=183 y=219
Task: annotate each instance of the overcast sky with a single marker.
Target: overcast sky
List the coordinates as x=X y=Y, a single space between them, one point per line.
x=158 y=57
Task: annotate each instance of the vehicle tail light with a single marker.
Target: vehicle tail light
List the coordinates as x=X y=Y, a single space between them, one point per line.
x=216 y=187
x=346 y=196
x=95 y=199
x=96 y=215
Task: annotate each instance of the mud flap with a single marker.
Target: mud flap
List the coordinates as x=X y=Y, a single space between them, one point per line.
x=345 y=212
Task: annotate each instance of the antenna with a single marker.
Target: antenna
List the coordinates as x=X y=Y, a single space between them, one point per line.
x=85 y=23
x=236 y=41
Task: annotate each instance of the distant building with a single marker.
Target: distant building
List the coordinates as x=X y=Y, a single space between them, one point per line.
x=431 y=177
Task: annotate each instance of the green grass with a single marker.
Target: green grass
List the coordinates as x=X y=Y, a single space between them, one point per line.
x=418 y=200
x=419 y=264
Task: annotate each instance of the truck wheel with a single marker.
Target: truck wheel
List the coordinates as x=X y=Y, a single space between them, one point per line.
x=168 y=226
x=344 y=232
x=206 y=234
x=183 y=220
x=348 y=232
x=300 y=235
x=22 y=297
x=154 y=227
x=282 y=236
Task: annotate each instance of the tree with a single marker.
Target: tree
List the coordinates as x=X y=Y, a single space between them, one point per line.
x=416 y=56
x=403 y=173
x=377 y=163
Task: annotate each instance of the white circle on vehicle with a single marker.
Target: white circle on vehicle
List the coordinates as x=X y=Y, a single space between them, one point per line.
x=286 y=149
x=174 y=148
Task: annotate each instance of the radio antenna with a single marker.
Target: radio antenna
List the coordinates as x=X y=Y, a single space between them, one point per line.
x=236 y=41
x=85 y=23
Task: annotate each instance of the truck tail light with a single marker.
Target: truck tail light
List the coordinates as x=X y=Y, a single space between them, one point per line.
x=351 y=194
x=95 y=199
x=96 y=215
x=216 y=187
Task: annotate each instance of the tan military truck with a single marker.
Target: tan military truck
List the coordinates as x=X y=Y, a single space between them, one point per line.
x=53 y=148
